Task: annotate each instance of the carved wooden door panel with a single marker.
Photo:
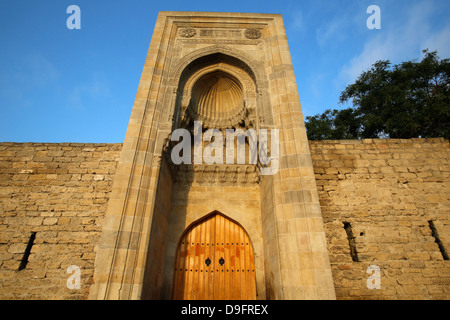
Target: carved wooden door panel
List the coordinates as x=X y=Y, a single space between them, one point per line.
x=214 y=260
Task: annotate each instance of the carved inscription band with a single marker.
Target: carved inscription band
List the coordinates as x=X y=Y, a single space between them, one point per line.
x=189 y=32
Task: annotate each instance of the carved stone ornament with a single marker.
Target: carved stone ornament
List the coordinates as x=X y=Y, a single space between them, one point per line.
x=247 y=174
x=253 y=33
x=187 y=32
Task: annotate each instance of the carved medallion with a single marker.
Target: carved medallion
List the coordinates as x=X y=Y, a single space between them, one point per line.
x=253 y=33
x=187 y=32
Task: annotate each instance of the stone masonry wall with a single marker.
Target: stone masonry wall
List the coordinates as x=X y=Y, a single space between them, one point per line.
x=59 y=193
x=382 y=194
x=390 y=197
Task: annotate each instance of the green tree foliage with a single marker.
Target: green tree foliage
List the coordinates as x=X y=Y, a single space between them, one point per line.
x=408 y=100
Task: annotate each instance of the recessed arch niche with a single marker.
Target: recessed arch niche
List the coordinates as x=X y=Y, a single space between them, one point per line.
x=217 y=97
x=242 y=89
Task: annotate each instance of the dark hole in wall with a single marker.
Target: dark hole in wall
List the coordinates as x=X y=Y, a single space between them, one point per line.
x=351 y=241
x=26 y=254
x=435 y=235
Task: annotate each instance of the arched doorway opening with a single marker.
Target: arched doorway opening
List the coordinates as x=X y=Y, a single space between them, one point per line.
x=214 y=261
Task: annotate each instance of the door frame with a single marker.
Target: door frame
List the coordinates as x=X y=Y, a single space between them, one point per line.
x=199 y=221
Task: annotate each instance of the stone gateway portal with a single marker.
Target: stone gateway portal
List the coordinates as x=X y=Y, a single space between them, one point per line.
x=209 y=76
x=214 y=261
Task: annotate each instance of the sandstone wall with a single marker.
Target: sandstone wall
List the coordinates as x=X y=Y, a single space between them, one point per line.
x=385 y=193
x=380 y=193
x=59 y=193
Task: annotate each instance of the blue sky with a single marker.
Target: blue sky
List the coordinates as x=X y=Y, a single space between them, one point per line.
x=61 y=85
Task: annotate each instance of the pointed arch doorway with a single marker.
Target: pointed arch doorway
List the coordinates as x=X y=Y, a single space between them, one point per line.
x=214 y=261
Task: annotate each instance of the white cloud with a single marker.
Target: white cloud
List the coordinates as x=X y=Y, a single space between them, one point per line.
x=25 y=75
x=36 y=70
x=298 y=21
x=84 y=94
x=338 y=22
x=439 y=42
x=403 y=35
x=333 y=31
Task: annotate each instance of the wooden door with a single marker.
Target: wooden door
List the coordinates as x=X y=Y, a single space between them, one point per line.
x=214 y=261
